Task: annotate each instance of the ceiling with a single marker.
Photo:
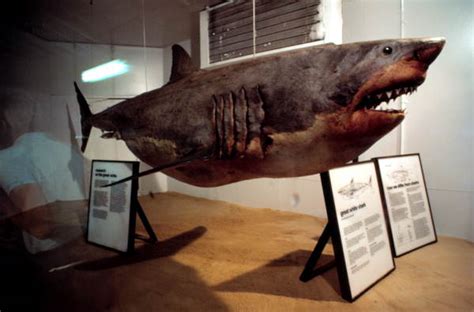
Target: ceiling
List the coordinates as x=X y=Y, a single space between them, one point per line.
x=154 y=23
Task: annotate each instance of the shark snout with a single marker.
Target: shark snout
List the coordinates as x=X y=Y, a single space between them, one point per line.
x=429 y=50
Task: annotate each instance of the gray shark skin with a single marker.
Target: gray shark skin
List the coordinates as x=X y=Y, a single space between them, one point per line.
x=284 y=115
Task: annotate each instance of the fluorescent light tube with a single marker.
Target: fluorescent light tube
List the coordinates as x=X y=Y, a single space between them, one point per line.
x=105 y=71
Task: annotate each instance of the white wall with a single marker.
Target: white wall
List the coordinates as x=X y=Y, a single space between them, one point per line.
x=439 y=124
x=146 y=74
x=48 y=69
x=440 y=119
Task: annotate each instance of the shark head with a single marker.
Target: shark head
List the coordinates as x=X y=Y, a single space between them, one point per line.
x=383 y=71
x=349 y=88
x=378 y=72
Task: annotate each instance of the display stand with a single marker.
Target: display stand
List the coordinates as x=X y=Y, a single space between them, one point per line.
x=357 y=229
x=310 y=270
x=113 y=209
x=406 y=202
x=152 y=239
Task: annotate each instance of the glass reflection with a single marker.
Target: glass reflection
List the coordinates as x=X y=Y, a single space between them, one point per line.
x=42 y=177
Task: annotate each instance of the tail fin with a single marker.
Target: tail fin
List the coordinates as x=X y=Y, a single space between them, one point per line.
x=86 y=113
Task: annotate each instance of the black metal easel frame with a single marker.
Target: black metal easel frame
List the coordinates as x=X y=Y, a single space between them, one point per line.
x=310 y=270
x=152 y=239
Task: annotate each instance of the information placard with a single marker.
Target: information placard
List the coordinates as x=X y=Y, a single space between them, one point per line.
x=360 y=236
x=111 y=217
x=406 y=201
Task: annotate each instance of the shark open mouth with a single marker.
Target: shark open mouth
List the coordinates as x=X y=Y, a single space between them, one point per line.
x=380 y=100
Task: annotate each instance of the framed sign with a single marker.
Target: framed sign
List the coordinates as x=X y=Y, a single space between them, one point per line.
x=359 y=232
x=112 y=210
x=406 y=201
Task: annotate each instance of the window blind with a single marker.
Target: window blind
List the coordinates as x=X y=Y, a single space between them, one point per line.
x=278 y=24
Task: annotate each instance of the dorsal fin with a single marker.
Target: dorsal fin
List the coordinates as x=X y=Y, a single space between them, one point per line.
x=182 y=64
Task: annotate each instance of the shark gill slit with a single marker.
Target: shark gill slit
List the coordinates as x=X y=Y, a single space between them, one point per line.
x=255 y=117
x=229 y=125
x=240 y=128
x=237 y=122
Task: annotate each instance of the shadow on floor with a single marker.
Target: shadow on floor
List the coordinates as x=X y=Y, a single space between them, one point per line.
x=146 y=252
x=280 y=277
x=149 y=280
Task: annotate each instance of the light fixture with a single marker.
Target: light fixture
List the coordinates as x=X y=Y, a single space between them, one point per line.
x=105 y=71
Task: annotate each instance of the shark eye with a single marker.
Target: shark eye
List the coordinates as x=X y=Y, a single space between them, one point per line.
x=387 y=50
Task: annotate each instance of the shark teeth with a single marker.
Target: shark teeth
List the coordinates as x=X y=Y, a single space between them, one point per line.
x=380 y=100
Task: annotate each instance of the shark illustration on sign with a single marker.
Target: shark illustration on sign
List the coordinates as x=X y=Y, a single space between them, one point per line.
x=284 y=115
x=354 y=189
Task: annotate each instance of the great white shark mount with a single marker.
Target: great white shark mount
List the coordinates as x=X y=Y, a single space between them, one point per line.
x=285 y=115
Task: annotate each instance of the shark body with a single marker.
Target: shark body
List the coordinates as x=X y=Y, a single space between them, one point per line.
x=290 y=114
